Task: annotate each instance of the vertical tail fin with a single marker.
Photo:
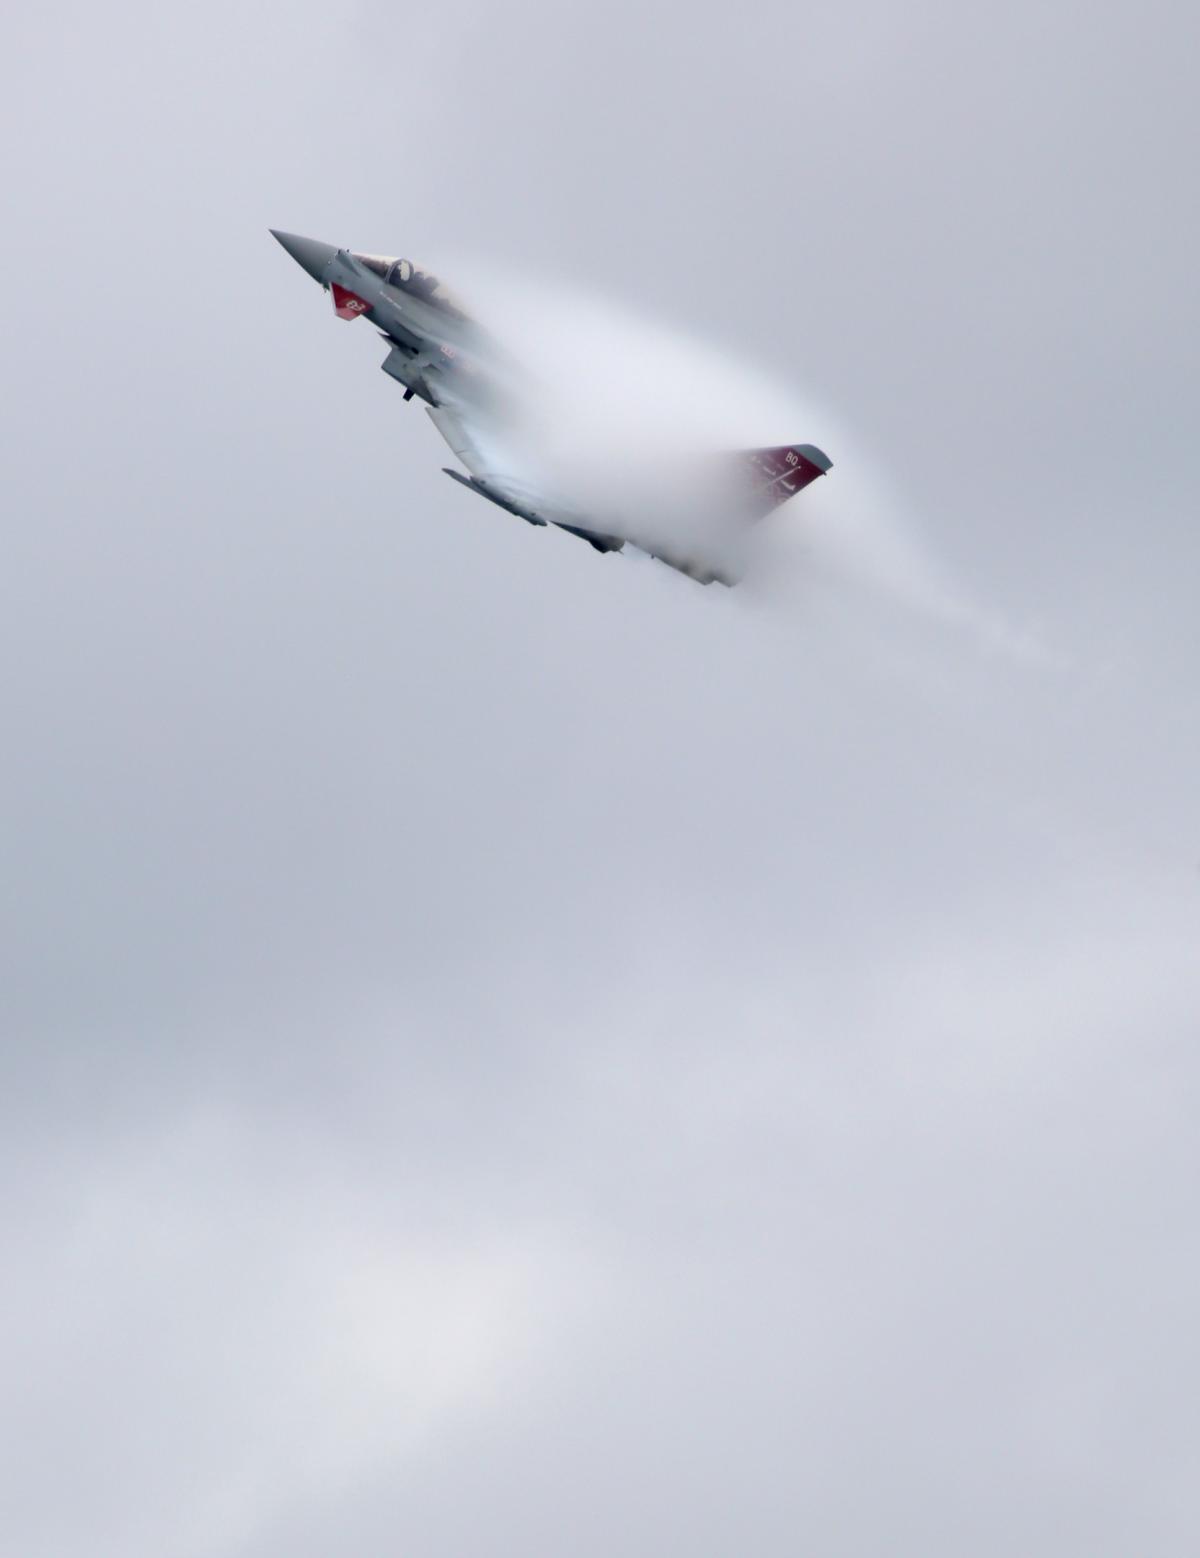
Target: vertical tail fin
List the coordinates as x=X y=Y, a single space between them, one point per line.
x=775 y=475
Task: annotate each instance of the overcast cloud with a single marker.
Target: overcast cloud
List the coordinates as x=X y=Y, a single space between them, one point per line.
x=505 y=1051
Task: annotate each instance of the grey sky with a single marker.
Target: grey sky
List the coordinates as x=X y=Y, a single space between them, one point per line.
x=505 y=1051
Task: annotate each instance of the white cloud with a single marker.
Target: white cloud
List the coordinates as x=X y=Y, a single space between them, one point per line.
x=209 y=1321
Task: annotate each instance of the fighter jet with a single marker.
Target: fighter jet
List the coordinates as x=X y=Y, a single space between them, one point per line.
x=472 y=389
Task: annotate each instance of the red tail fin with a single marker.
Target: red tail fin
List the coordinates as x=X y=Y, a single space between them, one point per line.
x=779 y=474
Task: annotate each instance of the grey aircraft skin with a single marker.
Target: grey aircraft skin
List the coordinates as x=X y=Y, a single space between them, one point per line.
x=443 y=357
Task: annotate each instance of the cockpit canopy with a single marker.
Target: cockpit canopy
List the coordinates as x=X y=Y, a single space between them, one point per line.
x=408 y=276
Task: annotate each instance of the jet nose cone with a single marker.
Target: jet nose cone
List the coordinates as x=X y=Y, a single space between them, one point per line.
x=309 y=253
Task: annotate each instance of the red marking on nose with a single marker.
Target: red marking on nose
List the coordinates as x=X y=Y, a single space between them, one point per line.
x=347 y=305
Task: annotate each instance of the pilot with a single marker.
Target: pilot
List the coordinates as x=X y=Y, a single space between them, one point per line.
x=423 y=284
